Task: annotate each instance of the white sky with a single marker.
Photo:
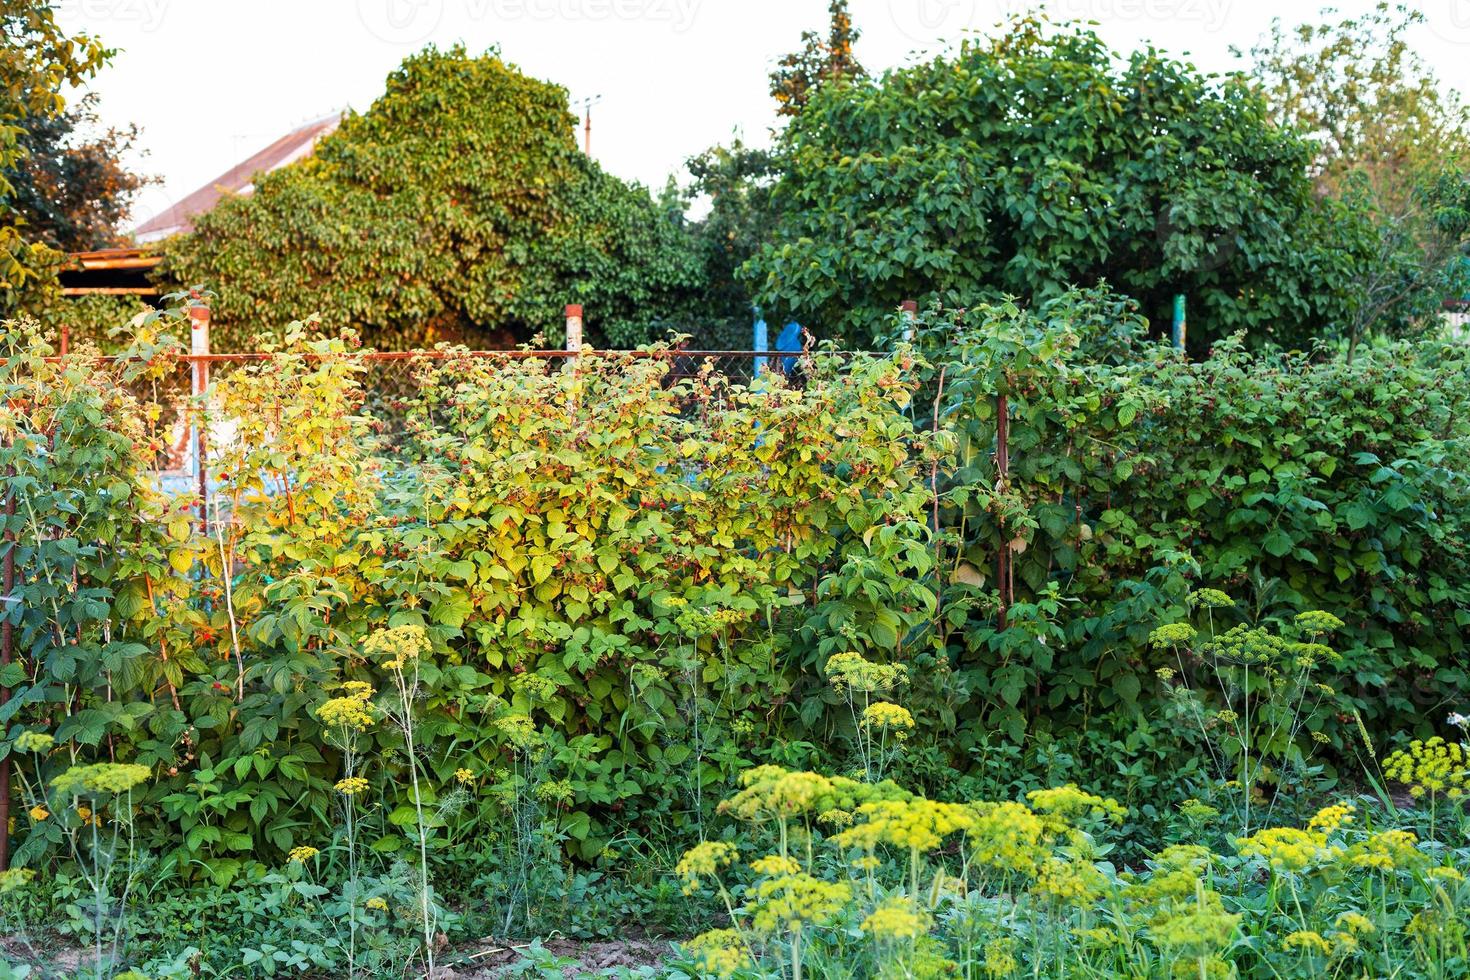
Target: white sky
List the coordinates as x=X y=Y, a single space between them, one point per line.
x=212 y=81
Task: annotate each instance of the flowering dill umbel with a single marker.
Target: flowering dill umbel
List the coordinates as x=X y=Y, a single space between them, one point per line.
x=1287 y=849
x=34 y=742
x=101 y=777
x=850 y=671
x=883 y=715
x=704 y=860
x=1430 y=767
x=896 y=920
x=300 y=855
x=1171 y=634
x=1210 y=599
x=351 y=786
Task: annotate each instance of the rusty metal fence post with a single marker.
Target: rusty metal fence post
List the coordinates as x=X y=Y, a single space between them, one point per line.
x=1003 y=565
x=7 y=644
x=198 y=383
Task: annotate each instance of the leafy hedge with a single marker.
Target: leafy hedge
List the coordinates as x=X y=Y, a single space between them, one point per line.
x=612 y=569
x=1294 y=481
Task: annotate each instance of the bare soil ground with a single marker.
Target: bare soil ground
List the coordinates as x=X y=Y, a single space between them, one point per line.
x=493 y=958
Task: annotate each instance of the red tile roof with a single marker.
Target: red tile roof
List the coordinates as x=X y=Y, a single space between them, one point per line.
x=293 y=146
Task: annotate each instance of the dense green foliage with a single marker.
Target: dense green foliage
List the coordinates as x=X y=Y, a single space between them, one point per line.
x=457 y=208
x=1294 y=481
x=1038 y=161
x=548 y=625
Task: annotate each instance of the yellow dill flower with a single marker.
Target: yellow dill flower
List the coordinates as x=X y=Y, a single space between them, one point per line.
x=719 y=952
x=1171 y=634
x=1332 y=818
x=464 y=776
x=851 y=671
x=789 y=902
x=1069 y=881
x=34 y=742
x=1287 y=849
x=1201 y=931
x=519 y=730
x=400 y=645
x=39 y=813
x=1317 y=622
x=1070 y=802
x=897 y=919
x=358 y=689
x=1389 y=850
x=101 y=777
x=377 y=904
x=1307 y=941
x=886 y=716
x=704 y=860
x=1195 y=810
x=916 y=824
x=354 y=712
x=1007 y=836
x=836 y=817
x=300 y=855
x=1098 y=937
x=351 y=786
x=773 y=865
x=1356 y=923
x=1210 y=599
x=1000 y=958
x=1430 y=767
x=14 y=878
x=1165 y=673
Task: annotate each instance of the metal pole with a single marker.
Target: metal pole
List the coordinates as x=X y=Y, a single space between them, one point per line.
x=1002 y=476
x=7 y=643
x=574 y=327
x=199 y=381
x=1180 y=331
x=910 y=311
x=759 y=341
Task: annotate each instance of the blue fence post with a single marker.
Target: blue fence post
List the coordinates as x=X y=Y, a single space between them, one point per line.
x=759 y=341
x=1181 y=323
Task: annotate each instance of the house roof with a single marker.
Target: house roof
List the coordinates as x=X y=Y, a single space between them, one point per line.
x=238 y=179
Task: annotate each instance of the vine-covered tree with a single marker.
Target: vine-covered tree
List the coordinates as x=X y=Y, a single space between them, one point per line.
x=458 y=207
x=1041 y=160
x=37 y=60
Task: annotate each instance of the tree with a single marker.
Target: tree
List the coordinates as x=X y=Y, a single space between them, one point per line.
x=819 y=61
x=1387 y=137
x=736 y=181
x=70 y=186
x=458 y=207
x=37 y=60
x=1043 y=160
